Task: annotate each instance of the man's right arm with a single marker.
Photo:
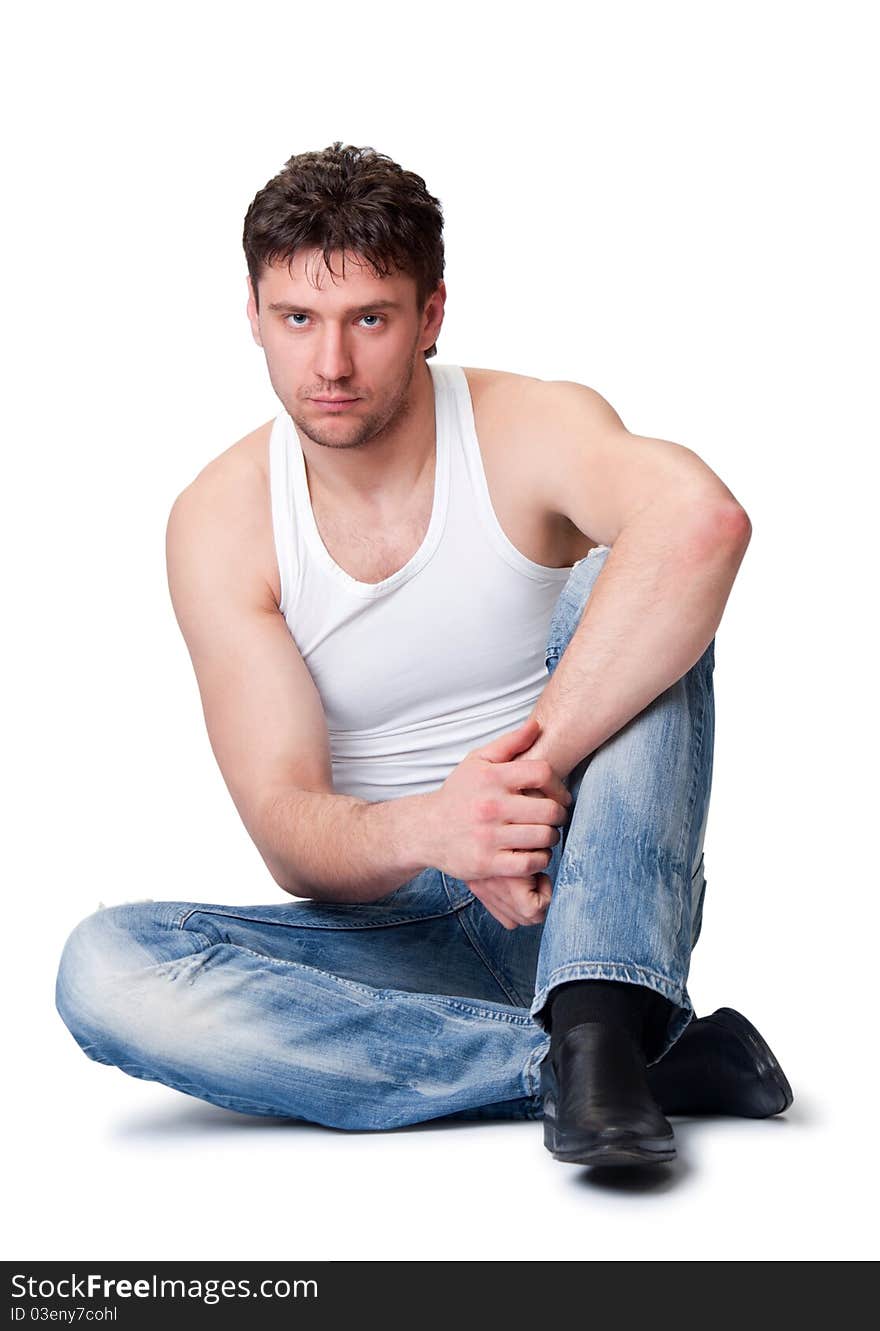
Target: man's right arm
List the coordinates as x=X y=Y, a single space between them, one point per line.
x=263 y=713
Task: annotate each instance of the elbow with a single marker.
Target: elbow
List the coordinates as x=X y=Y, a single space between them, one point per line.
x=737 y=523
x=726 y=526
x=279 y=872
x=285 y=881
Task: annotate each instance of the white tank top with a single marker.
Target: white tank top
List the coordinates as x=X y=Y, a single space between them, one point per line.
x=441 y=657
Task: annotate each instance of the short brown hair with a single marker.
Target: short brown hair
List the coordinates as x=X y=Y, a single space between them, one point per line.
x=348 y=199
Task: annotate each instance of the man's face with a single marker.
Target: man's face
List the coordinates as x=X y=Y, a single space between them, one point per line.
x=359 y=337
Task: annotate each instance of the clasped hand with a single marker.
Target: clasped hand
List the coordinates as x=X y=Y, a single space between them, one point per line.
x=496 y=814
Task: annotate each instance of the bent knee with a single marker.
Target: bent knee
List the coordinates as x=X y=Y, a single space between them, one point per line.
x=102 y=955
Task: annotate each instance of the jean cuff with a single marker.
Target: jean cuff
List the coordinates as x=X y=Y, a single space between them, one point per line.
x=614 y=970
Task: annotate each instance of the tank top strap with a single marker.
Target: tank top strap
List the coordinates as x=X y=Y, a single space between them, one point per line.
x=466 y=433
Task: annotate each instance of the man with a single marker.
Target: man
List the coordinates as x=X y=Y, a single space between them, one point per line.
x=453 y=631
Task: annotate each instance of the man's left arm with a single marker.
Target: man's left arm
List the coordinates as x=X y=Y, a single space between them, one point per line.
x=677 y=538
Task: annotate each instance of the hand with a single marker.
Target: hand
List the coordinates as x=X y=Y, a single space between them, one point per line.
x=483 y=827
x=514 y=901
x=517 y=901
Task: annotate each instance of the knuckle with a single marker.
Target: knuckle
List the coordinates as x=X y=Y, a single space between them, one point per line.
x=545 y=769
x=486 y=809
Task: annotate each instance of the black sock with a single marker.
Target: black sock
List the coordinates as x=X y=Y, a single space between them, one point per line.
x=632 y=1008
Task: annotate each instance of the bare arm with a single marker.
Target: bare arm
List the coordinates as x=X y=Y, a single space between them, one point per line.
x=263 y=713
x=338 y=847
x=678 y=536
x=652 y=612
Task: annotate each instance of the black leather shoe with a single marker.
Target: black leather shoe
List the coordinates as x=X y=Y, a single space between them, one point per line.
x=598 y=1107
x=720 y=1065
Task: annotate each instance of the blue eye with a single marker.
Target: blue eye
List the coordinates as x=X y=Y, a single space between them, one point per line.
x=298 y=315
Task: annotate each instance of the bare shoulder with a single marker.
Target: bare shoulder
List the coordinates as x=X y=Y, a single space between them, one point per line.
x=228 y=502
x=523 y=400
x=499 y=390
x=519 y=419
x=239 y=461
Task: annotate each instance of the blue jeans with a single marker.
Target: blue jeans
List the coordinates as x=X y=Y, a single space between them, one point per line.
x=420 y=1005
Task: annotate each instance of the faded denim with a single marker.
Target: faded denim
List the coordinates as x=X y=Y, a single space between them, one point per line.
x=419 y=1005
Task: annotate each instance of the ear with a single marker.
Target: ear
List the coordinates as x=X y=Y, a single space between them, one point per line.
x=253 y=316
x=434 y=310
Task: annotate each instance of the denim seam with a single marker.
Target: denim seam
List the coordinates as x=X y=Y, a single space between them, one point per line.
x=315 y=970
x=310 y=924
x=513 y=1018
x=687 y=822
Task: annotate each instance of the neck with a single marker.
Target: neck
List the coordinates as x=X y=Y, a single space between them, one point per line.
x=386 y=461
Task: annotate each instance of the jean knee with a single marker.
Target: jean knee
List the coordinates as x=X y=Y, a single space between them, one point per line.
x=99 y=956
x=87 y=953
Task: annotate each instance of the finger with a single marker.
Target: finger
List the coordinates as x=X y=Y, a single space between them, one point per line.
x=507 y=746
x=523 y=901
x=520 y=863
x=530 y=809
x=544 y=888
x=531 y=903
x=544 y=893
x=528 y=921
x=527 y=836
x=497 y=912
x=531 y=774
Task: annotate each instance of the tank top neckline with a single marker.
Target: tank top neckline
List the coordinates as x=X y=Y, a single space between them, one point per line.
x=443 y=425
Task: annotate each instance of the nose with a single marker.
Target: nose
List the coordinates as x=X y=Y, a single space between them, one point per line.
x=332 y=358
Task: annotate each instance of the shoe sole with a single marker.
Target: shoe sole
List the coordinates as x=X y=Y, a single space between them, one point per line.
x=769 y=1072
x=619 y=1149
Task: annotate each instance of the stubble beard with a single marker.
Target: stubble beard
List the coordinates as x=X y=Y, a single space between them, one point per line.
x=367 y=427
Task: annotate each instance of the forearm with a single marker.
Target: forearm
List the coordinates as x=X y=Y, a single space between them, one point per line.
x=651 y=614
x=340 y=848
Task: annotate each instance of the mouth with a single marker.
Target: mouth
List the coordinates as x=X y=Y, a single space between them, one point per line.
x=335 y=403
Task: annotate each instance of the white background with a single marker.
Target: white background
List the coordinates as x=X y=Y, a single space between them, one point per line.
x=671 y=203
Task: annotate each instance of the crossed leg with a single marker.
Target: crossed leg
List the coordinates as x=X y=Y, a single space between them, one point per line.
x=286 y=1010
